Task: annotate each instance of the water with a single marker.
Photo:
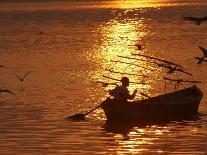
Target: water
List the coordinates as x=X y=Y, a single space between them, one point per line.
x=67 y=46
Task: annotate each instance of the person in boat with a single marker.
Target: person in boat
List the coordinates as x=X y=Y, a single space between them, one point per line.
x=121 y=93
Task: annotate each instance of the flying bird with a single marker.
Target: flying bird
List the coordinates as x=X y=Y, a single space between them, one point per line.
x=6 y=91
x=204 y=51
x=197 y=20
x=22 y=78
x=200 y=60
x=172 y=69
x=181 y=80
x=139 y=47
x=106 y=84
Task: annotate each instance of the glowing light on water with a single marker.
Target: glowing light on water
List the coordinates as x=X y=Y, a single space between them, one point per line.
x=139 y=140
x=119 y=39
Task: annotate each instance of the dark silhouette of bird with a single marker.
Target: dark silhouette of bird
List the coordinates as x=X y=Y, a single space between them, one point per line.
x=41 y=32
x=139 y=47
x=106 y=84
x=204 y=51
x=172 y=69
x=22 y=78
x=181 y=80
x=6 y=91
x=197 y=20
x=200 y=60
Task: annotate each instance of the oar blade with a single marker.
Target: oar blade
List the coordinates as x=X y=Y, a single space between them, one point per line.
x=76 y=117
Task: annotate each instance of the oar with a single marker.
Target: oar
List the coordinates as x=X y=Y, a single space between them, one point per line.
x=81 y=116
x=143 y=94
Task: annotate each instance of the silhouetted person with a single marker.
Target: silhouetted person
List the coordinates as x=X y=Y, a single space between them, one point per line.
x=197 y=20
x=121 y=93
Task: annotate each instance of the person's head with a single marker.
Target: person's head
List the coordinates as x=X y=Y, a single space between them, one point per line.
x=125 y=81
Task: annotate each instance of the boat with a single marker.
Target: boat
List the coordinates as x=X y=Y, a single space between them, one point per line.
x=178 y=105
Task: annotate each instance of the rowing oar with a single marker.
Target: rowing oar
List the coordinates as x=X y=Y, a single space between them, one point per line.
x=143 y=94
x=81 y=116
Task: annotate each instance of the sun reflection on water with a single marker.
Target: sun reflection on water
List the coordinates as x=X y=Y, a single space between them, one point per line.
x=143 y=3
x=139 y=140
x=119 y=38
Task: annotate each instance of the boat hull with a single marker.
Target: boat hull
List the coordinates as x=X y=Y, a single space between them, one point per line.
x=179 y=105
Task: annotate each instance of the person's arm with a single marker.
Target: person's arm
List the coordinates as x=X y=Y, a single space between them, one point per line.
x=131 y=97
x=112 y=92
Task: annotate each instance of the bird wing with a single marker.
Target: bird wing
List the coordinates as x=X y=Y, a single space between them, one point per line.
x=180 y=70
x=25 y=75
x=19 y=77
x=191 y=18
x=204 y=18
x=7 y=91
x=192 y=81
x=204 y=51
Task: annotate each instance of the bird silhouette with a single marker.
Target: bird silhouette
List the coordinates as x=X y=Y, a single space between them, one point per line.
x=22 y=78
x=106 y=84
x=200 y=60
x=6 y=91
x=204 y=51
x=197 y=20
x=172 y=69
x=139 y=47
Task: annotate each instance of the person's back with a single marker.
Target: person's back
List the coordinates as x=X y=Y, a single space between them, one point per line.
x=121 y=93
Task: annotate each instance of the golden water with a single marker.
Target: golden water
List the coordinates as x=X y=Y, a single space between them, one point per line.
x=69 y=48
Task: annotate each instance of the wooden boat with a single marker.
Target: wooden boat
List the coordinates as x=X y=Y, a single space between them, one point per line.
x=178 y=105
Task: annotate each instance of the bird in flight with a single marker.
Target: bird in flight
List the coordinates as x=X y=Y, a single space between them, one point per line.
x=197 y=20
x=6 y=91
x=139 y=47
x=22 y=78
x=105 y=84
x=172 y=69
x=201 y=59
x=204 y=51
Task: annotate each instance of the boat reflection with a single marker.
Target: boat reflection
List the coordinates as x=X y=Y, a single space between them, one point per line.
x=134 y=139
x=147 y=137
x=125 y=127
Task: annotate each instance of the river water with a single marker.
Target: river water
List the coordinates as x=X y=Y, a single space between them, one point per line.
x=70 y=48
